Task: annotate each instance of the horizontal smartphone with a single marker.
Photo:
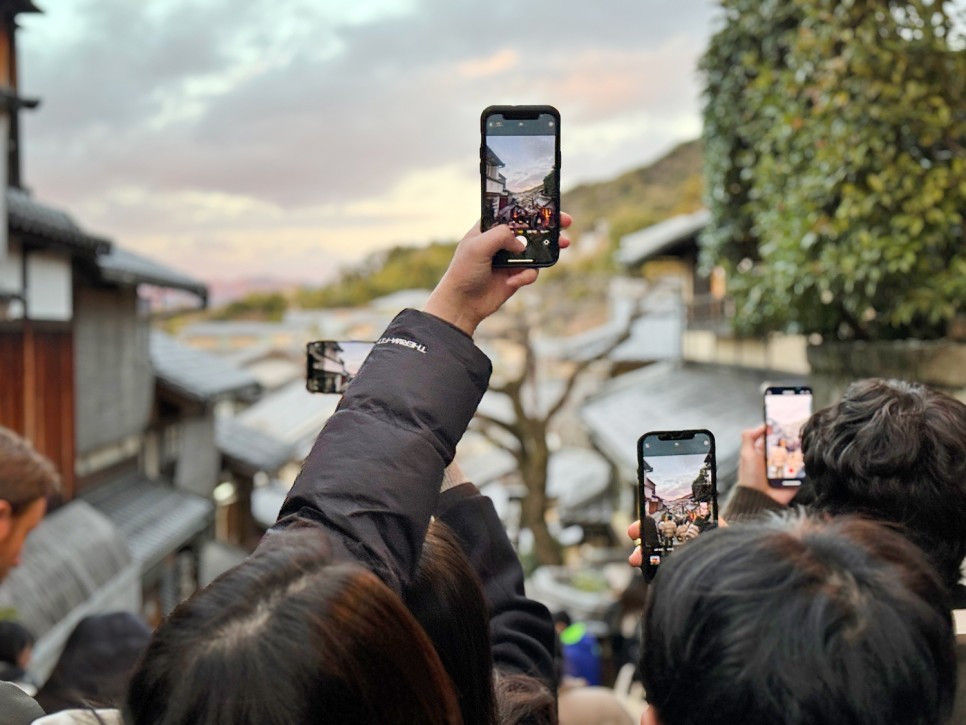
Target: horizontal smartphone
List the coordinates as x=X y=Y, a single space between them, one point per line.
x=520 y=180
x=786 y=409
x=330 y=365
x=677 y=494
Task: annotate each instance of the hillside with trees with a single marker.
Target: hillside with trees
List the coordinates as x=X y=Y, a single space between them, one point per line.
x=671 y=185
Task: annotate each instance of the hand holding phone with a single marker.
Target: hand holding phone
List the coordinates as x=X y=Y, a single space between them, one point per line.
x=786 y=410
x=677 y=492
x=520 y=180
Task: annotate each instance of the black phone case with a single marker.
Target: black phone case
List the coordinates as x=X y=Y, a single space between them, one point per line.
x=525 y=111
x=647 y=568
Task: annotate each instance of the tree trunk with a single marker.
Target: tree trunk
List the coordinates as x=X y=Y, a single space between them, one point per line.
x=546 y=550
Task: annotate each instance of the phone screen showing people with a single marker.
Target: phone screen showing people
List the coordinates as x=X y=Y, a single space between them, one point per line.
x=786 y=411
x=520 y=180
x=332 y=364
x=678 y=495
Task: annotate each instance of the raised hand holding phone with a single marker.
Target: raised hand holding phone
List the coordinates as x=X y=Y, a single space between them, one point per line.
x=520 y=180
x=786 y=409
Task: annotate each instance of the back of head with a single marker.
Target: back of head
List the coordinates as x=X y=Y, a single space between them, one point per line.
x=287 y=636
x=96 y=663
x=25 y=475
x=446 y=598
x=14 y=639
x=799 y=621
x=524 y=700
x=895 y=451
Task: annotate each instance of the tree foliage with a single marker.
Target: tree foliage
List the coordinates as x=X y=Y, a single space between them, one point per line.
x=381 y=274
x=835 y=143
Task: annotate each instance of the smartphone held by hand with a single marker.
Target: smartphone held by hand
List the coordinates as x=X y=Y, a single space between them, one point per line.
x=786 y=410
x=520 y=180
x=330 y=365
x=677 y=492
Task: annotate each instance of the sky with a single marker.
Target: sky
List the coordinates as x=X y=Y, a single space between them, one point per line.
x=289 y=138
x=673 y=475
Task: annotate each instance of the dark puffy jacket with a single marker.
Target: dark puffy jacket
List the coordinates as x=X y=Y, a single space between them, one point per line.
x=521 y=630
x=372 y=478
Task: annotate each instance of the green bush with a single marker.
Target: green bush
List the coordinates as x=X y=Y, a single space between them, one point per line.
x=835 y=142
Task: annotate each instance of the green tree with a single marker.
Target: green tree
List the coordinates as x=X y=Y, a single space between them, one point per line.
x=836 y=166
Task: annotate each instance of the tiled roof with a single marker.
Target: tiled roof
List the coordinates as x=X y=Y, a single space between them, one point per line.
x=667 y=396
x=33 y=218
x=154 y=519
x=291 y=414
x=195 y=373
x=252 y=448
x=124 y=267
x=658 y=238
x=66 y=559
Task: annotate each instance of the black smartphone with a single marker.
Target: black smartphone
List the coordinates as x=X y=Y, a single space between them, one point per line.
x=786 y=409
x=677 y=491
x=520 y=180
x=330 y=365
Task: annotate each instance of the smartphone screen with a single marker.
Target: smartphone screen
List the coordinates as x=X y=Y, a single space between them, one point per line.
x=330 y=365
x=520 y=180
x=787 y=408
x=677 y=492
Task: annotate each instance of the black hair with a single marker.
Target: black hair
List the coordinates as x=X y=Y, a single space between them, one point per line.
x=14 y=639
x=894 y=451
x=446 y=597
x=289 y=636
x=798 y=621
x=97 y=660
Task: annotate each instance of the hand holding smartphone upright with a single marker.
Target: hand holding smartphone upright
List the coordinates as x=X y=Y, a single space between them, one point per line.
x=677 y=492
x=520 y=180
x=786 y=410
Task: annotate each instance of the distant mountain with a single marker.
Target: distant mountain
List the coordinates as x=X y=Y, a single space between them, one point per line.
x=223 y=291
x=671 y=185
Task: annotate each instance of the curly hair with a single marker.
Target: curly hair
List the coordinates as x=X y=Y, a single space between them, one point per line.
x=895 y=451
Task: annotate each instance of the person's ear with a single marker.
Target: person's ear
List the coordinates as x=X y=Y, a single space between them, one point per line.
x=649 y=716
x=6 y=518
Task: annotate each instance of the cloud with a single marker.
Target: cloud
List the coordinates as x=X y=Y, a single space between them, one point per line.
x=273 y=111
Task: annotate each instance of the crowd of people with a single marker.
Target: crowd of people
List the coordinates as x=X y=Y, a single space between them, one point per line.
x=388 y=590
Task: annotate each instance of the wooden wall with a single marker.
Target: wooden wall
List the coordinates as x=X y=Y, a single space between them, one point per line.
x=37 y=390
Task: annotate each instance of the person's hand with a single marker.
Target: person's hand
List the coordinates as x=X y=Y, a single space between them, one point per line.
x=634 y=532
x=751 y=466
x=472 y=289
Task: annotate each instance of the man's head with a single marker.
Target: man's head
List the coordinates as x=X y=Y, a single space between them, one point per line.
x=26 y=480
x=895 y=451
x=798 y=620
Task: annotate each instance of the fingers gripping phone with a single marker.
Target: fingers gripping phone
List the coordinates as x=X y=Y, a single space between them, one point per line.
x=786 y=409
x=330 y=365
x=677 y=494
x=520 y=180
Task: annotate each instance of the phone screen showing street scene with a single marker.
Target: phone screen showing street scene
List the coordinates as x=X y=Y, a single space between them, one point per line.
x=332 y=364
x=677 y=493
x=521 y=183
x=786 y=412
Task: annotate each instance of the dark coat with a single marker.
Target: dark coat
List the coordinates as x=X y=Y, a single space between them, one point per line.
x=372 y=478
x=521 y=630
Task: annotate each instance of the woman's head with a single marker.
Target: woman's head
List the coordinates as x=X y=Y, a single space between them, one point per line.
x=289 y=636
x=446 y=598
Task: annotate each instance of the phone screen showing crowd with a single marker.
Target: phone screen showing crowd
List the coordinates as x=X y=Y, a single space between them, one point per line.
x=521 y=183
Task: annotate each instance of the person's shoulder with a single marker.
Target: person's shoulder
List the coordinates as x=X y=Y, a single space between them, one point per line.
x=82 y=717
